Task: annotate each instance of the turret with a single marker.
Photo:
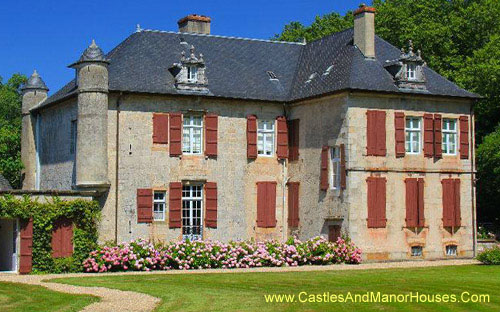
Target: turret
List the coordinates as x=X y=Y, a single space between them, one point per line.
x=92 y=119
x=34 y=92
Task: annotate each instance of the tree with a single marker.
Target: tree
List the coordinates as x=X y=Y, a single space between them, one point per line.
x=488 y=184
x=10 y=129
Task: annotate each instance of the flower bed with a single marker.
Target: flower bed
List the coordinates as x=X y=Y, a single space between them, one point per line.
x=141 y=255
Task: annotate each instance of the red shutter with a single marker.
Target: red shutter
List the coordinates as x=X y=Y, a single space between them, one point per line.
x=428 y=135
x=252 y=136
x=371 y=133
x=261 y=204
x=282 y=138
x=421 y=215
x=56 y=240
x=399 y=130
x=293 y=139
x=144 y=205
x=411 y=202
x=211 y=125
x=324 y=169
x=343 y=176
x=160 y=128
x=175 y=134
x=464 y=137
x=372 y=201
x=438 y=137
x=211 y=205
x=175 y=204
x=266 y=204
x=376 y=202
x=26 y=253
x=293 y=204
x=375 y=133
x=62 y=238
x=271 y=204
x=448 y=202
x=456 y=211
x=381 y=136
x=381 y=202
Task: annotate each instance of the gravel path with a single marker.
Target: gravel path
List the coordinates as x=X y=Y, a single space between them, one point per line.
x=118 y=300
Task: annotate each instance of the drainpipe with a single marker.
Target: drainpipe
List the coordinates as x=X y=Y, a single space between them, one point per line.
x=38 y=149
x=116 y=162
x=285 y=179
x=473 y=181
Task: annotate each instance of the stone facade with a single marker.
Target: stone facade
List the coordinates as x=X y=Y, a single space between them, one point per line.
x=111 y=151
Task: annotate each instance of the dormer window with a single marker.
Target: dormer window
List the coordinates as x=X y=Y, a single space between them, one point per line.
x=411 y=71
x=192 y=74
x=408 y=69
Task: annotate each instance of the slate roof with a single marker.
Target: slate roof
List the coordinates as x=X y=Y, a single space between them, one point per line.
x=237 y=67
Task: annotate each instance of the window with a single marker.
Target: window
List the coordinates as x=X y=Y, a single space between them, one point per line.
x=413 y=135
x=265 y=137
x=192 y=134
x=192 y=74
x=449 y=136
x=451 y=250
x=411 y=71
x=416 y=251
x=72 y=145
x=159 y=205
x=335 y=172
x=192 y=199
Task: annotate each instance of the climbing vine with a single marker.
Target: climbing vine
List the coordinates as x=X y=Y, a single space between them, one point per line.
x=84 y=215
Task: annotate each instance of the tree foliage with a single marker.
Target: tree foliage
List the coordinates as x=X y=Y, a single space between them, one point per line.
x=10 y=129
x=458 y=39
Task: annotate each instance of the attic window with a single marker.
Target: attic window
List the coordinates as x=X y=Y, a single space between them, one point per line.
x=272 y=75
x=411 y=71
x=192 y=74
x=408 y=69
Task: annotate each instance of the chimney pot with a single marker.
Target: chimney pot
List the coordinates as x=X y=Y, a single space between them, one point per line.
x=364 y=30
x=195 y=23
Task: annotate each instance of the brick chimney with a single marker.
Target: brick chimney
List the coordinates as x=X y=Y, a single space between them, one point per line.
x=364 y=30
x=195 y=23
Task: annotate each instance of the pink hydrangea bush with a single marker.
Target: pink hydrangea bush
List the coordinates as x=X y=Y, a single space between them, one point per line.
x=140 y=255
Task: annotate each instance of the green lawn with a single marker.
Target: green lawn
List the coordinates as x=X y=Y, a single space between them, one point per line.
x=21 y=297
x=246 y=291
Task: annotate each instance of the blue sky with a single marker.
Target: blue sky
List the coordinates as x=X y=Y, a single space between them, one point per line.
x=49 y=35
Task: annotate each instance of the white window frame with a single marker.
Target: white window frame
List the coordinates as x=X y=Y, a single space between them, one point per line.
x=451 y=250
x=190 y=126
x=192 y=74
x=417 y=254
x=264 y=133
x=192 y=195
x=408 y=134
x=335 y=168
x=448 y=136
x=411 y=71
x=159 y=206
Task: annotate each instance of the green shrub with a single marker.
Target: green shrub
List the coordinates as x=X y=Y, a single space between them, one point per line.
x=66 y=265
x=490 y=256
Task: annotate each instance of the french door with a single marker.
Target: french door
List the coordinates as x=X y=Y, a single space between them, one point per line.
x=192 y=212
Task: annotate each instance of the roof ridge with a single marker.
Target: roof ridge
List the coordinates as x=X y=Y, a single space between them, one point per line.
x=220 y=36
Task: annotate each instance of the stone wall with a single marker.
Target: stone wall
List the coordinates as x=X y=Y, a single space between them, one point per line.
x=56 y=160
x=143 y=164
x=322 y=123
x=395 y=241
